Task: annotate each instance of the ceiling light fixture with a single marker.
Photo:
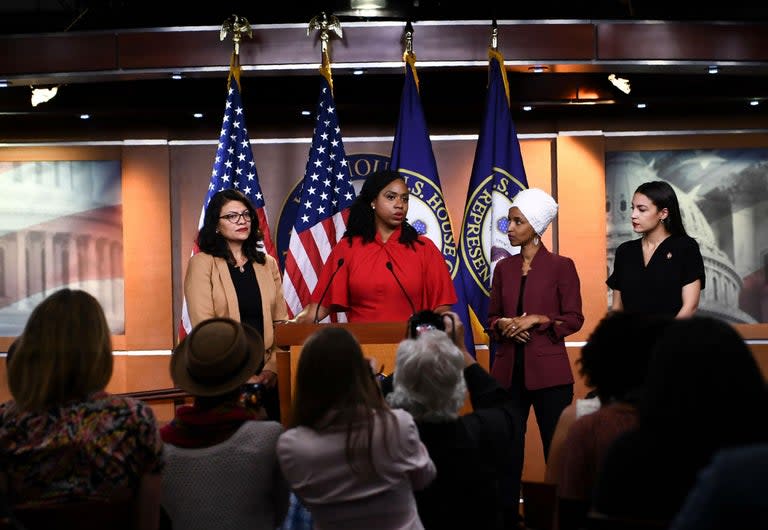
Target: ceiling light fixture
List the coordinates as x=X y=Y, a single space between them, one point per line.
x=754 y=103
x=713 y=69
x=305 y=113
x=527 y=108
x=85 y=116
x=357 y=72
x=641 y=105
x=42 y=95
x=4 y=84
x=176 y=76
x=371 y=9
x=198 y=115
x=620 y=83
x=538 y=68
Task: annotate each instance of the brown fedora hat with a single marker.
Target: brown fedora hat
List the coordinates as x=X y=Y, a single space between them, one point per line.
x=218 y=355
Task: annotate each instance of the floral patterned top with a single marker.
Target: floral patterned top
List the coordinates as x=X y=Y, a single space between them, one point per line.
x=97 y=448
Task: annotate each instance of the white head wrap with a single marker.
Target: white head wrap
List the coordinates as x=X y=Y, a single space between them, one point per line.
x=537 y=206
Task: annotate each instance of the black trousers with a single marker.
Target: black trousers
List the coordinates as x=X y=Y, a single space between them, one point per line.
x=548 y=404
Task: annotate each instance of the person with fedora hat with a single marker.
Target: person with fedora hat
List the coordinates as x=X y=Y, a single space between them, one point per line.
x=535 y=303
x=221 y=464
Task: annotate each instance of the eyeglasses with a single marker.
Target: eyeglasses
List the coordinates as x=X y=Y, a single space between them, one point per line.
x=234 y=218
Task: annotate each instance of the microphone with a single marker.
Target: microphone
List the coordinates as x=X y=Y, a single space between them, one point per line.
x=410 y=302
x=330 y=281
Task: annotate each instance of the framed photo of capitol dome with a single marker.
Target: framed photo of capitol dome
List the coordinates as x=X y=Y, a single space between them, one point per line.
x=61 y=226
x=723 y=195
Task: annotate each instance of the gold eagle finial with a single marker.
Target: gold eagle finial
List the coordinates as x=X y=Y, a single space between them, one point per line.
x=325 y=24
x=238 y=26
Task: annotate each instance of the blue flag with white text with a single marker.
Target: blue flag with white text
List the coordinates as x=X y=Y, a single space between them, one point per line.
x=498 y=175
x=413 y=158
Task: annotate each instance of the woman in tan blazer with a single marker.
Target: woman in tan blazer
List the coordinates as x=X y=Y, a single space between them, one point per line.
x=231 y=276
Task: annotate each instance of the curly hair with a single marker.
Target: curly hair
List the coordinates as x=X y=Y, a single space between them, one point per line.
x=429 y=378
x=362 y=222
x=213 y=243
x=615 y=359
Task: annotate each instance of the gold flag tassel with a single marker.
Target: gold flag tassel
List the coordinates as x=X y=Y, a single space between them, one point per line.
x=408 y=56
x=494 y=53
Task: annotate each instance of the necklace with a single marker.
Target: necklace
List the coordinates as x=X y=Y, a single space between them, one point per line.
x=241 y=267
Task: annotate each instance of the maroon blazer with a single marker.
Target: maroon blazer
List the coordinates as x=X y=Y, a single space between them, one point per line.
x=552 y=289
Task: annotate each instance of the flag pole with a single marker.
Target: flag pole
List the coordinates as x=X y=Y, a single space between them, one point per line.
x=325 y=25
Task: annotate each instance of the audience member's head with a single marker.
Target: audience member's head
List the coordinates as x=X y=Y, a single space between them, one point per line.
x=217 y=357
x=64 y=353
x=429 y=377
x=615 y=359
x=704 y=384
x=333 y=375
x=11 y=350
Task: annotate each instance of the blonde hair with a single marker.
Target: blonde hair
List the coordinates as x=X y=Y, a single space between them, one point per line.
x=64 y=353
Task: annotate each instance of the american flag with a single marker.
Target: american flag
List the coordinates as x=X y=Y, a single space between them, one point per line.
x=233 y=167
x=326 y=195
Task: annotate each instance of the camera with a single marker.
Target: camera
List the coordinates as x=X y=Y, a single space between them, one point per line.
x=251 y=394
x=423 y=321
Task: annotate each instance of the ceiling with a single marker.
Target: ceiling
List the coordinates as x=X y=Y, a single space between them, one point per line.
x=134 y=105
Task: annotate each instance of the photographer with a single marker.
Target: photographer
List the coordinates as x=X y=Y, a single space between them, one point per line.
x=433 y=372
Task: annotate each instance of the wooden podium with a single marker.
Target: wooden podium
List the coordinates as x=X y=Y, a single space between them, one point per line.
x=379 y=341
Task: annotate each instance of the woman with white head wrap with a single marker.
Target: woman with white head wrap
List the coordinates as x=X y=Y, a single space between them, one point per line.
x=535 y=303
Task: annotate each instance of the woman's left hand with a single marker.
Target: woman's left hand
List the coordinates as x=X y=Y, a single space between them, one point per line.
x=518 y=327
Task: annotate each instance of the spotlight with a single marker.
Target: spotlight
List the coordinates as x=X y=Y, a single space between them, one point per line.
x=41 y=95
x=620 y=83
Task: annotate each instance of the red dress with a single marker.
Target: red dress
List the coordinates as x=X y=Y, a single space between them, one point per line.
x=368 y=291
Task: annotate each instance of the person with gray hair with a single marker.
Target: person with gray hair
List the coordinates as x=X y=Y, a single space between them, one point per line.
x=472 y=452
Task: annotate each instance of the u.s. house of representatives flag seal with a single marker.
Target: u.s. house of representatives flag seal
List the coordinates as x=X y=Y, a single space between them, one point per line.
x=484 y=240
x=428 y=214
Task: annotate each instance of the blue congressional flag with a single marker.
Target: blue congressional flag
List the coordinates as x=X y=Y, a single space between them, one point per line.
x=498 y=175
x=233 y=167
x=413 y=158
x=326 y=195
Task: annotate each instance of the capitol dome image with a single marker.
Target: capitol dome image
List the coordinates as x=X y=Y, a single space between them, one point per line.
x=625 y=171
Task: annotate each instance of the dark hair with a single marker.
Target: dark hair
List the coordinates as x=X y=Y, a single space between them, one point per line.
x=334 y=378
x=213 y=243
x=64 y=353
x=663 y=196
x=704 y=388
x=361 y=221
x=615 y=359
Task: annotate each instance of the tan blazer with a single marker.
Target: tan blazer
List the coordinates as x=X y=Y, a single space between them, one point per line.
x=210 y=293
